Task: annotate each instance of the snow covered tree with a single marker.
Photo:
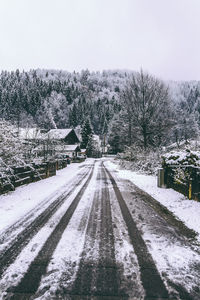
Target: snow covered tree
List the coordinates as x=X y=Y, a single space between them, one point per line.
x=186 y=127
x=90 y=149
x=93 y=148
x=117 y=134
x=86 y=133
x=147 y=102
x=11 y=147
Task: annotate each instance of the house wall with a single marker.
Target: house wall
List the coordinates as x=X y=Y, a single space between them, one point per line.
x=71 y=139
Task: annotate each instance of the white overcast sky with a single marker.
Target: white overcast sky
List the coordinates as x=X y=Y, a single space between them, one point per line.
x=160 y=36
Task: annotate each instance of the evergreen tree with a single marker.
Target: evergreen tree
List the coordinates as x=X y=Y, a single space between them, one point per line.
x=86 y=133
x=90 y=149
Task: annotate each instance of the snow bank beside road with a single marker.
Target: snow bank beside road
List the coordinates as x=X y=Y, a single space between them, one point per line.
x=186 y=210
x=16 y=204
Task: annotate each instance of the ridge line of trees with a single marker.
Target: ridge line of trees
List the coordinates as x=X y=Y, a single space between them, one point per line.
x=130 y=108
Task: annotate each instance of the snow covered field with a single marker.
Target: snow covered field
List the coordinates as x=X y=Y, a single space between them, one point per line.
x=186 y=210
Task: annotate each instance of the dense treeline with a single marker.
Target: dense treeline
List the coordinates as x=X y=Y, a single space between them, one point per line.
x=58 y=99
x=155 y=114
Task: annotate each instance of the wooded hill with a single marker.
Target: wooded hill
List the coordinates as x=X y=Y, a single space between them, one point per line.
x=51 y=99
x=59 y=99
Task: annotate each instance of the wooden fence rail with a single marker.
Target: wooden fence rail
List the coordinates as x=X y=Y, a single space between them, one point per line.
x=30 y=173
x=183 y=179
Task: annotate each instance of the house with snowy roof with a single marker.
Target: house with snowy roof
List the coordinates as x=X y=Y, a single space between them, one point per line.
x=68 y=150
x=66 y=136
x=63 y=142
x=57 y=143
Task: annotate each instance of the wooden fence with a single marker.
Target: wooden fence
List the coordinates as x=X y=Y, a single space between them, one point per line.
x=183 y=179
x=30 y=173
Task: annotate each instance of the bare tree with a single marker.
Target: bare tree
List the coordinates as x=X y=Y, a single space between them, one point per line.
x=147 y=104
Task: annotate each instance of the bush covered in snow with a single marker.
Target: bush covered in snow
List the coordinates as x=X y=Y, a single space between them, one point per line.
x=183 y=158
x=136 y=159
x=182 y=167
x=149 y=162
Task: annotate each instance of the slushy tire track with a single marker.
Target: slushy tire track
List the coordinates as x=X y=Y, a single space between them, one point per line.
x=86 y=273
x=108 y=281
x=168 y=216
x=99 y=279
x=151 y=280
x=8 y=256
x=31 y=280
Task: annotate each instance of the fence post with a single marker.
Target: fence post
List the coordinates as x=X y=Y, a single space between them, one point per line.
x=161 y=178
x=190 y=190
x=47 y=170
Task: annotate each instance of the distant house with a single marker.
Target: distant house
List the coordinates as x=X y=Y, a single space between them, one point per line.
x=62 y=142
x=97 y=142
x=31 y=134
x=69 y=150
x=66 y=136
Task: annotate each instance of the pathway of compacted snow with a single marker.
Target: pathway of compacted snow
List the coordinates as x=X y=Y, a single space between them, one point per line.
x=90 y=232
x=177 y=257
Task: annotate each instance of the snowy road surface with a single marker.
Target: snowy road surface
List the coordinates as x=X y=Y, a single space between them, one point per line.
x=95 y=236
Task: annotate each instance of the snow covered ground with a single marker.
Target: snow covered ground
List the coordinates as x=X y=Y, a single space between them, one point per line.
x=73 y=237
x=16 y=204
x=186 y=210
x=175 y=260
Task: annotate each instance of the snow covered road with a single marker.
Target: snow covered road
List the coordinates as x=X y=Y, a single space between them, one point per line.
x=97 y=236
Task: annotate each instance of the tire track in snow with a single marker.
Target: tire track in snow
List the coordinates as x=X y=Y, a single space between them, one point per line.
x=167 y=215
x=108 y=282
x=31 y=280
x=150 y=277
x=87 y=267
x=98 y=275
x=8 y=256
x=63 y=267
x=8 y=233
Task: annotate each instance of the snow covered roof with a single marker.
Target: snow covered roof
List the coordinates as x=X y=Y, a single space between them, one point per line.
x=30 y=133
x=71 y=147
x=58 y=134
x=61 y=148
x=66 y=147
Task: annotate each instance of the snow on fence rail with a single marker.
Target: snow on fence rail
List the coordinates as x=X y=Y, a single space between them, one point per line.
x=30 y=173
x=184 y=179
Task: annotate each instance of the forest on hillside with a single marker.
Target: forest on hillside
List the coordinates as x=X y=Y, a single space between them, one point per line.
x=59 y=99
